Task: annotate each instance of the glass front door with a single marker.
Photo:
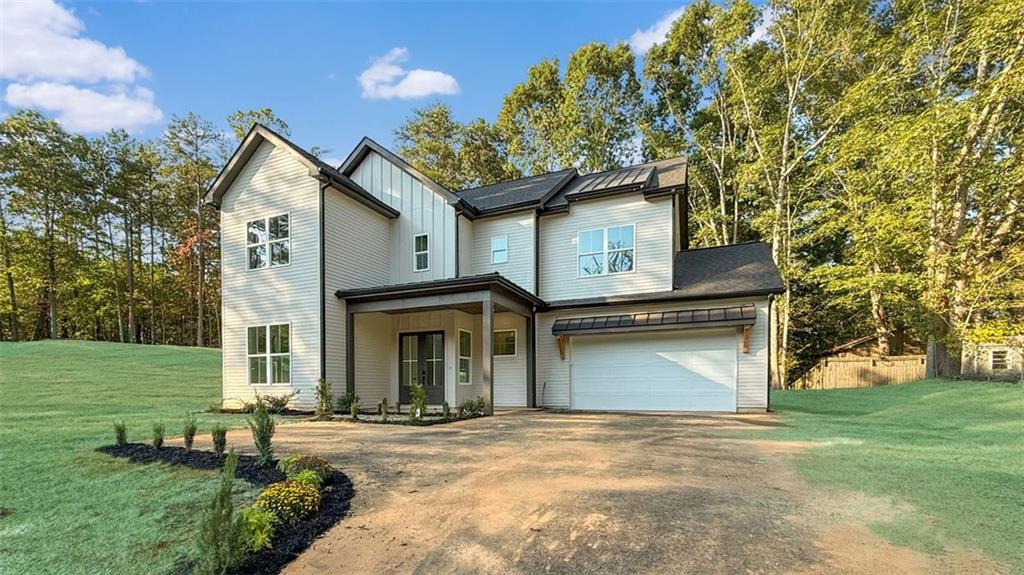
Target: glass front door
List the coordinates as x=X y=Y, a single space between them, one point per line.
x=421 y=360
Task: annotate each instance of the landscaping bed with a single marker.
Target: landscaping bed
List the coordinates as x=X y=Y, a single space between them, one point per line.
x=406 y=419
x=289 y=538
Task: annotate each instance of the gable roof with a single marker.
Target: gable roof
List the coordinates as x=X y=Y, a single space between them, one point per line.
x=367 y=145
x=666 y=176
x=724 y=271
x=529 y=191
x=317 y=169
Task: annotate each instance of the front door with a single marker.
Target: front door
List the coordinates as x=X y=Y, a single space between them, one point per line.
x=421 y=360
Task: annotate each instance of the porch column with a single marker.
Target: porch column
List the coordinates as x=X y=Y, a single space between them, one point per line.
x=531 y=363
x=350 y=352
x=487 y=352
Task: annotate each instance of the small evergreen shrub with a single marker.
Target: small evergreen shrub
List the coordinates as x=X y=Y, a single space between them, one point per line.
x=158 y=434
x=120 y=433
x=308 y=476
x=259 y=527
x=354 y=411
x=472 y=407
x=324 y=400
x=295 y=464
x=219 y=433
x=418 y=407
x=273 y=403
x=262 y=426
x=382 y=409
x=289 y=500
x=446 y=411
x=222 y=537
x=346 y=400
x=188 y=430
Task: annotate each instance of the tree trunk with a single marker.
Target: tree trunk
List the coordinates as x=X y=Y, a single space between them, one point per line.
x=12 y=317
x=129 y=236
x=200 y=271
x=51 y=269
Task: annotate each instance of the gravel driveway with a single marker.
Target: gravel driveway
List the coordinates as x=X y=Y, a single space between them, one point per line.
x=545 y=492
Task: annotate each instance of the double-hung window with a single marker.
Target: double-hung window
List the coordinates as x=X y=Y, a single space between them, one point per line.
x=605 y=251
x=268 y=353
x=499 y=250
x=999 y=359
x=465 y=355
x=420 y=253
x=268 y=242
x=504 y=343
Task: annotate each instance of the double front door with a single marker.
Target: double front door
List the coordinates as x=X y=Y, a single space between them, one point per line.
x=421 y=360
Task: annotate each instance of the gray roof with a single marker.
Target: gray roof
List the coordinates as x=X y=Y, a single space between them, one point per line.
x=733 y=270
x=524 y=191
x=655 y=320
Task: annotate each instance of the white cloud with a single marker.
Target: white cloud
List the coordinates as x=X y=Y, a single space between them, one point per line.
x=86 y=110
x=386 y=79
x=643 y=40
x=43 y=54
x=41 y=41
x=763 y=29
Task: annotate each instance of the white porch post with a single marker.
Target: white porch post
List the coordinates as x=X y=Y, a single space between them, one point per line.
x=487 y=352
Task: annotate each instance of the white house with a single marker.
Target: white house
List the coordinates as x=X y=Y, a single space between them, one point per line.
x=562 y=290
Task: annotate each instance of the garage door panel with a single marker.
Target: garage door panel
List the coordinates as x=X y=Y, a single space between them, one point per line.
x=655 y=372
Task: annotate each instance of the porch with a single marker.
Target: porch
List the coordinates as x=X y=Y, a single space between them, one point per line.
x=442 y=335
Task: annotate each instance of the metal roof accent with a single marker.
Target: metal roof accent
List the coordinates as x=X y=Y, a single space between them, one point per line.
x=657 y=320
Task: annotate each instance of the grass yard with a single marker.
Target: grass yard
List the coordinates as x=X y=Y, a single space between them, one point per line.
x=953 y=450
x=68 y=509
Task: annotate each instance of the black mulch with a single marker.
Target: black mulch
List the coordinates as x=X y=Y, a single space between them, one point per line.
x=289 y=539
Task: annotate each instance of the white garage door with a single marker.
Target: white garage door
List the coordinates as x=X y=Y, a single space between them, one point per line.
x=691 y=371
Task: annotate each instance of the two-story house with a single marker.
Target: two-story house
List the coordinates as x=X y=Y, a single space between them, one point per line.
x=562 y=290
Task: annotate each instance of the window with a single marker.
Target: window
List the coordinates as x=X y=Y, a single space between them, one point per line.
x=605 y=251
x=465 y=355
x=504 y=342
x=269 y=363
x=268 y=242
x=421 y=253
x=499 y=250
x=999 y=359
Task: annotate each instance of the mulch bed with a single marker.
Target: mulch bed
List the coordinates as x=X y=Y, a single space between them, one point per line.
x=289 y=539
x=404 y=419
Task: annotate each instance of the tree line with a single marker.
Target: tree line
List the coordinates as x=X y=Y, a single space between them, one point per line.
x=875 y=145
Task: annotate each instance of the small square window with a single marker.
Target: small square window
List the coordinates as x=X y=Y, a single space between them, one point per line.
x=499 y=249
x=504 y=342
x=1000 y=360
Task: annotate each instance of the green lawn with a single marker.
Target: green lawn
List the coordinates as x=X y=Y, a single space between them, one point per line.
x=953 y=450
x=70 y=509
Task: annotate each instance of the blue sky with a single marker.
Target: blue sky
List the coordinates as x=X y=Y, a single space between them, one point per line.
x=95 y=65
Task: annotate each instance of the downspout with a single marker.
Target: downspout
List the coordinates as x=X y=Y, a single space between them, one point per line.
x=768 y=360
x=323 y=288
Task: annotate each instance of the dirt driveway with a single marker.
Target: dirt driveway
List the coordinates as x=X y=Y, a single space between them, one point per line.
x=536 y=492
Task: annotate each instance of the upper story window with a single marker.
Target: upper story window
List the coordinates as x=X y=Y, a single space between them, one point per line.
x=268 y=242
x=999 y=359
x=605 y=250
x=420 y=253
x=268 y=353
x=499 y=249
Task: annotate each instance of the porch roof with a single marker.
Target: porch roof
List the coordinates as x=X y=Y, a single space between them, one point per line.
x=492 y=282
x=657 y=320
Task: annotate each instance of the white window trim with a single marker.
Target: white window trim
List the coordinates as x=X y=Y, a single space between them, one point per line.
x=270 y=264
x=991 y=359
x=415 y=253
x=458 y=354
x=604 y=252
x=515 y=338
x=269 y=355
x=506 y=250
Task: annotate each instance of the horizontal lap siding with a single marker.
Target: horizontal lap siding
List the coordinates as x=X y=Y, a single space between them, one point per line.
x=510 y=372
x=357 y=244
x=374 y=353
x=272 y=183
x=653 y=248
x=553 y=373
x=519 y=229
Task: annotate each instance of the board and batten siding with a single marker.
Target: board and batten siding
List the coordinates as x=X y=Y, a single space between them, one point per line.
x=518 y=228
x=554 y=374
x=357 y=250
x=653 y=251
x=422 y=211
x=273 y=182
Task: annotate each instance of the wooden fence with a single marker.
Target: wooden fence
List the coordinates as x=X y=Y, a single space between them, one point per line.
x=847 y=372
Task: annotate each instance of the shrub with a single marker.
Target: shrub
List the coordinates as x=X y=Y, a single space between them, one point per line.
x=120 y=434
x=382 y=409
x=262 y=426
x=324 y=400
x=259 y=527
x=188 y=430
x=289 y=500
x=222 y=535
x=273 y=403
x=418 y=407
x=472 y=407
x=346 y=400
x=219 y=433
x=309 y=476
x=158 y=435
x=354 y=411
x=296 y=464
x=446 y=411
